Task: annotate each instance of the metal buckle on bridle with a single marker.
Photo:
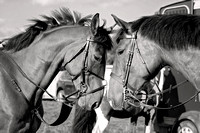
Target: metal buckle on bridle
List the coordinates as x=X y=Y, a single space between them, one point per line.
x=131 y=98
x=84 y=85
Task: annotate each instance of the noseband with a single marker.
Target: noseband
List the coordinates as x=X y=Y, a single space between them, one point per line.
x=130 y=96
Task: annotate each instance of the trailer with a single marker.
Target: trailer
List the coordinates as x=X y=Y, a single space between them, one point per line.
x=186 y=117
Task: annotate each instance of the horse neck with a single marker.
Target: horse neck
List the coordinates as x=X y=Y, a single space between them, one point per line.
x=187 y=62
x=42 y=59
x=150 y=56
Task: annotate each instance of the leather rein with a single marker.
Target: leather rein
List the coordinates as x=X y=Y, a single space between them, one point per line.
x=84 y=84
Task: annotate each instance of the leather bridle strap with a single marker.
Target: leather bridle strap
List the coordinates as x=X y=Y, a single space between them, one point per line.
x=128 y=64
x=84 y=73
x=80 y=93
x=24 y=74
x=76 y=55
x=120 y=80
x=141 y=58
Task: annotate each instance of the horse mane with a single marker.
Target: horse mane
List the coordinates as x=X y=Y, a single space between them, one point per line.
x=84 y=120
x=170 y=31
x=59 y=18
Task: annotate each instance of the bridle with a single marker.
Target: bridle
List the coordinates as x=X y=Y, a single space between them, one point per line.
x=84 y=75
x=130 y=96
x=84 y=83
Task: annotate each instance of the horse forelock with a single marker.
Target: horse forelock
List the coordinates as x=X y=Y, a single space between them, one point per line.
x=103 y=38
x=58 y=18
x=170 y=31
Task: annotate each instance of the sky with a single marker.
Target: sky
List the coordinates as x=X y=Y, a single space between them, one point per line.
x=15 y=14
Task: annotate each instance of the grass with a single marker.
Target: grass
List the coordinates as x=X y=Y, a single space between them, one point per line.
x=52 y=110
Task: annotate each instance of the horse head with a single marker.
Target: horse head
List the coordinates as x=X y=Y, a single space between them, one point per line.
x=87 y=66
x=64 y=42
x=133 y=68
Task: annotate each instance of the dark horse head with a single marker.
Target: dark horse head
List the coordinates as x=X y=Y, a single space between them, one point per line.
x=147 y=45
x=33 y=58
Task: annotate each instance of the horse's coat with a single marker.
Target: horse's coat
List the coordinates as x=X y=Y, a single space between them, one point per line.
x=158 y=41
x=30 y=61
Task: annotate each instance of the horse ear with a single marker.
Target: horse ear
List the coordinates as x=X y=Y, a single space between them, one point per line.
x=95 y=24
x=124 y=25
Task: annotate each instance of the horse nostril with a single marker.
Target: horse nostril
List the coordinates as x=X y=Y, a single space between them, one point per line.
x=95 y=105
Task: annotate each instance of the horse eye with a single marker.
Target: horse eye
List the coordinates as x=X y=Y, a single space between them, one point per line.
x=120 y=51
x=98 y=58
x=117 y=40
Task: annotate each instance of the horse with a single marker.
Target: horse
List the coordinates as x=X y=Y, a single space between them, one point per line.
x=30 y=61
x=147 y=45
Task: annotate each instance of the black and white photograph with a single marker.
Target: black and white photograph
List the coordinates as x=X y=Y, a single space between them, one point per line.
x=99 y=66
